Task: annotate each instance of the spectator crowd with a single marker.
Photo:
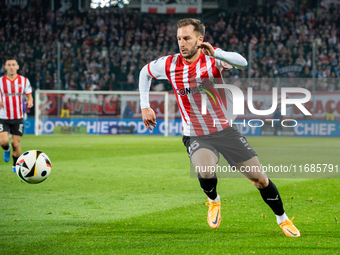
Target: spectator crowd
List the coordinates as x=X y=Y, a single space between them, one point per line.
x=106 y=48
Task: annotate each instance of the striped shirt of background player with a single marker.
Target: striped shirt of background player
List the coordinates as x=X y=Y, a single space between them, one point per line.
x=11 y=96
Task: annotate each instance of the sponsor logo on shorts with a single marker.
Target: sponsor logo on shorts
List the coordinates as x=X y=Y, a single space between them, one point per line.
x=245 y=143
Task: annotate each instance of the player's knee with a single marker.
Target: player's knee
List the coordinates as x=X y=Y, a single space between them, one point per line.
x=204 y=163
x=206 y=174
x=16 y=144
x=260 y=183
x=4 y=143
x=204 y=158
x=206 y=169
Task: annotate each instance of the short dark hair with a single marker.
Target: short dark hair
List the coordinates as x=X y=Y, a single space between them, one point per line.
x=198 y=25
x=11 y=58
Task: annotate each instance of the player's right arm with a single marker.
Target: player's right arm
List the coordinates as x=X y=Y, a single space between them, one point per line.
x=155 y=69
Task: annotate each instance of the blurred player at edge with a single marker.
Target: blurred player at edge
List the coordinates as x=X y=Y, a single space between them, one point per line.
x=200 y=65
x=12 y=88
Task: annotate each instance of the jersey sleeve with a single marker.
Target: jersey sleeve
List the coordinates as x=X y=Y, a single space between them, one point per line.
x=226 y=59
x=28 y=88
x=155 y=69
x=220 y=64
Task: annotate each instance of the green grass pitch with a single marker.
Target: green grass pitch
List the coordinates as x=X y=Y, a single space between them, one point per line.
x=134 y=195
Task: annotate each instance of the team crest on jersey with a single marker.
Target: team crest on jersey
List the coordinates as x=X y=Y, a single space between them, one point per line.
x=203 y=69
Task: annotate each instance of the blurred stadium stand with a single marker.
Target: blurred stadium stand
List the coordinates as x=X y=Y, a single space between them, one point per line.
x=104 y=48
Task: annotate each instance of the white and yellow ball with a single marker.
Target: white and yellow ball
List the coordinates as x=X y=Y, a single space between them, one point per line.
x=33 y=166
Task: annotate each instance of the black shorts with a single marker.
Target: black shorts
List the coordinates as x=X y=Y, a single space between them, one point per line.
x=229 y=142
x=15 y=127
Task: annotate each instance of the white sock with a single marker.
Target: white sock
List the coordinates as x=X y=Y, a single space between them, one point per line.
x=216 y=199
x=281 y=218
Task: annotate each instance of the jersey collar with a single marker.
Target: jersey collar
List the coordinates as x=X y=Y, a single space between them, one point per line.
x=10 y=79
x=194 y=63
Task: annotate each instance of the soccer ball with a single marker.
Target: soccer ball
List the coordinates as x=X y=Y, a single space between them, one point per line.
x=33 y=166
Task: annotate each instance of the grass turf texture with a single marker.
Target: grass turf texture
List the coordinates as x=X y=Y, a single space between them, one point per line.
x=133 y=195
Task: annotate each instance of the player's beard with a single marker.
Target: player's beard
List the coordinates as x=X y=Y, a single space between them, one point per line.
x=192 y=52
x=11 y=73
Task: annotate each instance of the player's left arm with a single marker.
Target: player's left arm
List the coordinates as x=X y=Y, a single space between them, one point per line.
x=233 y=58
x=29 y=101
x=1 y=103
x=28 y=93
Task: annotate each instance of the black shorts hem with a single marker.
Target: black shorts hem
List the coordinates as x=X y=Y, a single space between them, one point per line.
x=14 y=126
x=229 y=142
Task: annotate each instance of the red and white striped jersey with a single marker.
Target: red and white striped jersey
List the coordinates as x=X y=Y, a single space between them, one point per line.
x=189 y=81
x=11 y=96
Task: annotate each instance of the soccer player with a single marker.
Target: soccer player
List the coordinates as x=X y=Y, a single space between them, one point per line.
x=193 y=72
x=12 y=88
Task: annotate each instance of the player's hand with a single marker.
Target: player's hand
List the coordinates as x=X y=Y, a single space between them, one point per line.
x=149 y=118
x=29 y=104
x=206 y=48
x=1 y=105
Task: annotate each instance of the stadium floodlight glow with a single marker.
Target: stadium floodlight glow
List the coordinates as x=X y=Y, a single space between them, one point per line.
x=108 y=3
x=99 y=3
x=93 y=5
